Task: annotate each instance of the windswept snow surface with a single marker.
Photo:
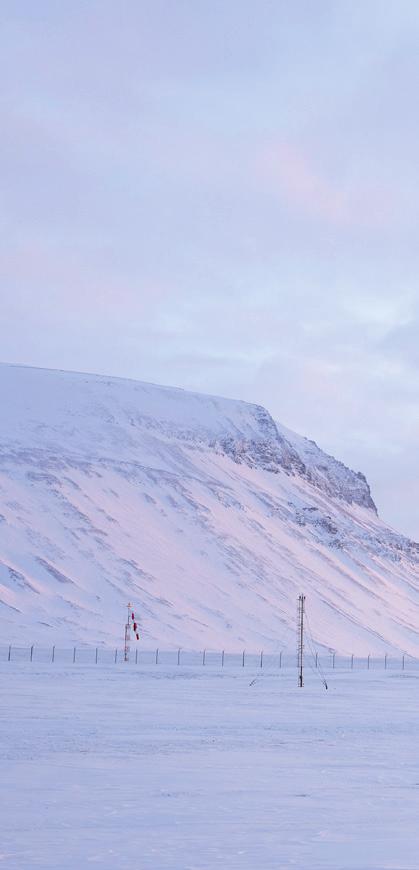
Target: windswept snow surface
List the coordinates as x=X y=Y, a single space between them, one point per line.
x=205 y=513
x=182 y=769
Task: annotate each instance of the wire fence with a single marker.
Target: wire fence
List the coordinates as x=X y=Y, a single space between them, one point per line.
x=89 y=655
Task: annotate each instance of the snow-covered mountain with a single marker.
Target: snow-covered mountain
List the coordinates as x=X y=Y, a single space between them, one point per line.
x=202 y=511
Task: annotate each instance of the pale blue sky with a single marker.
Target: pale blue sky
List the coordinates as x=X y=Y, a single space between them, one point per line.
x=223 y=196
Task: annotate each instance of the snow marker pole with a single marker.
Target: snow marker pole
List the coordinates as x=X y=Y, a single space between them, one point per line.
x=127 y=634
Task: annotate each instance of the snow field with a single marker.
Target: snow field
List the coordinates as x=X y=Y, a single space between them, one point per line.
x=191 y=768
x=202 y=512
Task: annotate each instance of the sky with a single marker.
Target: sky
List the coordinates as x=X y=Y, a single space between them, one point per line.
x=222 y=195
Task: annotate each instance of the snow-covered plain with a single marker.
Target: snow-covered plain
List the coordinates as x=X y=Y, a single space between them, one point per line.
x=194 y=769
x=205 y=513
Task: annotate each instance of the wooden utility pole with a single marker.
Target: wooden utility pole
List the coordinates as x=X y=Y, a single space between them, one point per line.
x=300 y=639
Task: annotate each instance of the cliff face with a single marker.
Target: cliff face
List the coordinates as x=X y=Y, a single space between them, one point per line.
x=203 y=510
x=276 y=447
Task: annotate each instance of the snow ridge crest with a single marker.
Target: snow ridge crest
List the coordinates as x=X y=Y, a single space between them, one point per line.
x=97 y=417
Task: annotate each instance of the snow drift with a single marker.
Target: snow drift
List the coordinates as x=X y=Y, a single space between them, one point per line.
x=203 y=511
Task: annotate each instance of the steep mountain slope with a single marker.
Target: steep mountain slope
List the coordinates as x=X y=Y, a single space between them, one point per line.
x=201 y=510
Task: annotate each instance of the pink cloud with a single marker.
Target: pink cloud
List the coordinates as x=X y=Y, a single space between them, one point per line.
x=291 y=175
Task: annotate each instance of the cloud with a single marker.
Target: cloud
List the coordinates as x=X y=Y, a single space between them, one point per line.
x=289 y=173
x=402 y=343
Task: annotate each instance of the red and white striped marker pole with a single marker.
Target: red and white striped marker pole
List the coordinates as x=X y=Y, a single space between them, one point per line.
x=132 y=622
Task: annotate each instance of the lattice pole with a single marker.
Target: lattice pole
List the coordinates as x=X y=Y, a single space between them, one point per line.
x=300 y=639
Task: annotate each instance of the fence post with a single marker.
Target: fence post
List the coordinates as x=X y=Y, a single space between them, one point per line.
x=368 y=663
x=280 y=659
x=222 y=659
x=157 y=656
x=74 y=655
x=403 y=663
x=333 y=660
x=96 y=656
x=53 y=654
x=203 y=657
x=385 y=662
x=243 y=658
x=178 y=656
x=10 y=653
x=317 y=659
x=136 y=656
x=31 y=652
x=261 y=658
x=116 y=654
